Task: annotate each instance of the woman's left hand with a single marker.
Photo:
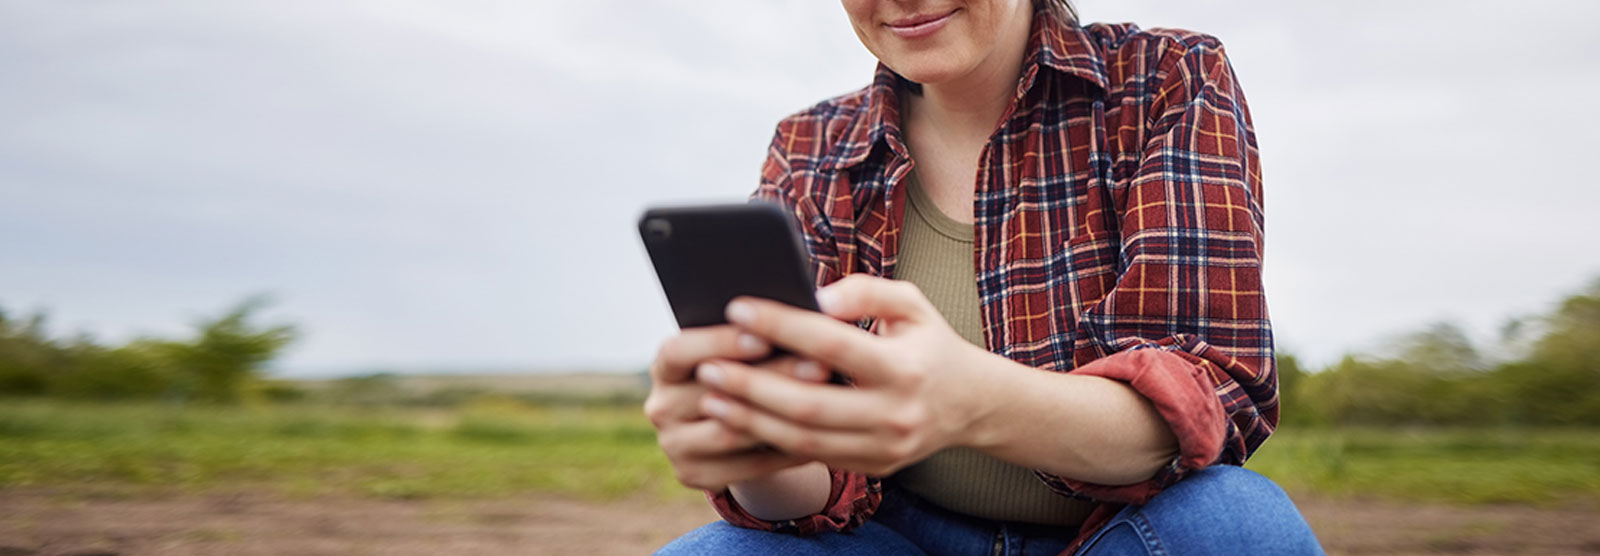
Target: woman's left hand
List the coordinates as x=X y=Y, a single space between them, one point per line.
x=917 y=384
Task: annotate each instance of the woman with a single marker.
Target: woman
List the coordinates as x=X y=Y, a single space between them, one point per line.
x=1055 y=232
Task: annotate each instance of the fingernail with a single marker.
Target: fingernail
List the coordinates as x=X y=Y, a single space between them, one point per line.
x=751 y=345
x=827 y=300
x=711 y=374
x=715 y=407
x=809 y=370
x=739 y=312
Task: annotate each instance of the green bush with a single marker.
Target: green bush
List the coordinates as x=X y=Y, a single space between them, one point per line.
x=222 y=363
x=1438 y=377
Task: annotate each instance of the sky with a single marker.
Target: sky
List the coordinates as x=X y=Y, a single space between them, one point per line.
x=426 y=186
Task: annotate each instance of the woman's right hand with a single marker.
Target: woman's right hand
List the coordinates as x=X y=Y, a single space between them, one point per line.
x=704 y=452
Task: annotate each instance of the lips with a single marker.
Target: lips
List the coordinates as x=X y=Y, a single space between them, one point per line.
x=920 y=25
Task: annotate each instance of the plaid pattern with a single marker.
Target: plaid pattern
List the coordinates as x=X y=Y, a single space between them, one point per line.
x=1118 y=211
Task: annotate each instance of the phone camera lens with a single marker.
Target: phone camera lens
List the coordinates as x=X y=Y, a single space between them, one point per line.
x=656 y=229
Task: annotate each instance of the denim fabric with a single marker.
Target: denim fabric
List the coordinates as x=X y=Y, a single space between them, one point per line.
x=1220 y=510
x=719 y=537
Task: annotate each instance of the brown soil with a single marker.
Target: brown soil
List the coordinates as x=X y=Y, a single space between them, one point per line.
x=42 y=523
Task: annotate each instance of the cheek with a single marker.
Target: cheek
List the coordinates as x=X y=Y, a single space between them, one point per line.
x=986 y=24
x=860 y=13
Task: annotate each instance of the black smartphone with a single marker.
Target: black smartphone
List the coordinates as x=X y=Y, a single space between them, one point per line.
x=706 y=255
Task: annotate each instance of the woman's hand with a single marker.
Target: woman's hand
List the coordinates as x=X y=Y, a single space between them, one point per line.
x=706 y=453
x=916 y=384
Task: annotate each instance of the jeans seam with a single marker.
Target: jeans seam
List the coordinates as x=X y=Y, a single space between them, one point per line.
x=1147 y=532
x=1094 y=538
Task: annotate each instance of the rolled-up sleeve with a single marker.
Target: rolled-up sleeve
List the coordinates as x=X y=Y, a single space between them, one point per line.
x=852 y=499
x=1185 y=324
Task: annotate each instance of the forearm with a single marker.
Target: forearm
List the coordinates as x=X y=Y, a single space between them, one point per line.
x=786 y=494
x=1085 y=427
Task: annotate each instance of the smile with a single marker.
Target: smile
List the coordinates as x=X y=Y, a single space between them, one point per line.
x=919 y=26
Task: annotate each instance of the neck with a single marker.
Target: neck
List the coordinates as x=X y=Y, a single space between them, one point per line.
x=972 y=104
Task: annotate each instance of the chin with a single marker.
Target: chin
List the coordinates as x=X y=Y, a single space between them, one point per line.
x=931 y=67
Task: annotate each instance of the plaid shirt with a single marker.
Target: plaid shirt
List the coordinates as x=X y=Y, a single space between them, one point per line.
x=1118 y=230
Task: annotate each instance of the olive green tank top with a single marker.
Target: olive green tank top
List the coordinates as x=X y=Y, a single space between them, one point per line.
x=936 y=254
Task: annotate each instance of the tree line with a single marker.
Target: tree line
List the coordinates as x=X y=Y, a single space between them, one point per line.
x=222 y=362
x=1544 y=370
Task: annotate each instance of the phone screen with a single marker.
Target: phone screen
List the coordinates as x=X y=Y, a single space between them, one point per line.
x=707 y=255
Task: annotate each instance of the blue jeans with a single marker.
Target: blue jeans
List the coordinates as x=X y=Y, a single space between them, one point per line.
x=1219 y=510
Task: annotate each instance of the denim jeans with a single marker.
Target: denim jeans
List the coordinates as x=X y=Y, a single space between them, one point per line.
x=1219 y=510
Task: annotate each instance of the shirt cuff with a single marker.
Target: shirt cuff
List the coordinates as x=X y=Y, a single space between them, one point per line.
x=852 y=499
x=1183 y=395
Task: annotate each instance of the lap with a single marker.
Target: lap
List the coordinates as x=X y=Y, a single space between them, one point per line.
x=871 y=538
x=1219 y=510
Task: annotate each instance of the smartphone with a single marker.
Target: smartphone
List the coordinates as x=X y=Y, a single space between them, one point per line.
x=707 y=255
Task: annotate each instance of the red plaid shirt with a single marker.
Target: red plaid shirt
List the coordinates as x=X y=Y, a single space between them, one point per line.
x=1118 y=231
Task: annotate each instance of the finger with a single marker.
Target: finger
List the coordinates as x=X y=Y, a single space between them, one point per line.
x=790 y=438
x=705 y=438
x=860 y=295
x=678 y=402
x=805 y=370
x=811 y=334
x=804 y=403
x=715 y=474
x=674 y=403
x=679 y=354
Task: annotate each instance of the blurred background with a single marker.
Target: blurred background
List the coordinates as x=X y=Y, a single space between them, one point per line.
x=379 y=257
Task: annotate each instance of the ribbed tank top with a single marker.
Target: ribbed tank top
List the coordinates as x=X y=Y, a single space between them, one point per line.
x=936 y=254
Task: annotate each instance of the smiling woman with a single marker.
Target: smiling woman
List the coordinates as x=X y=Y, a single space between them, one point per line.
x=1055 y=232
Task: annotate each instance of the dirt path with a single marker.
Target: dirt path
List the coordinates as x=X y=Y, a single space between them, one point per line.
x=40 y=523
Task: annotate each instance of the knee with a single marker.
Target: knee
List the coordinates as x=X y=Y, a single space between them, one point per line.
x=721 y=538
x=1227 y=490
x=1230 y=484
x=1226 y=496
x=717 y=537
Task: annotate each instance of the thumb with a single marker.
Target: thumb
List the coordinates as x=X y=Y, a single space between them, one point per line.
x=860 y=295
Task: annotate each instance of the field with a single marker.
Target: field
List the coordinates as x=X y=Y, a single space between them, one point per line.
x=500 y=474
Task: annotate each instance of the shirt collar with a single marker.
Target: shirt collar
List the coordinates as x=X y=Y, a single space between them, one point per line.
x=1052 y=43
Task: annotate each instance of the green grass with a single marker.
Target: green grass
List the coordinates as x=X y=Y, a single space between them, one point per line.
x=485 y=451
x=506 y=448
x=1457 y=466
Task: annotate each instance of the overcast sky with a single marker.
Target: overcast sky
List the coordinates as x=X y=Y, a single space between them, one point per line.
x=430 y=185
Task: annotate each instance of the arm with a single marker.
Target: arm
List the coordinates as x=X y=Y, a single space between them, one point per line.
x=920 y=388
x=1186 y=321
x=1117 y=436
x=788 y=494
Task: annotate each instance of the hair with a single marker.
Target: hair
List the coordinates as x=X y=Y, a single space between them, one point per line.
x=1063 y=9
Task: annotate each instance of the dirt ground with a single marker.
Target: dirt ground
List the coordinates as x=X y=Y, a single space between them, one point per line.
x=43 y=523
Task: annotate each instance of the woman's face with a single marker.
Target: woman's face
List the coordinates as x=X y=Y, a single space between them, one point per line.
x=937 y=40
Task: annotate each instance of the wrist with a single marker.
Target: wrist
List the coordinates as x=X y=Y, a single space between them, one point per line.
x=987 y=397
x=785 y=494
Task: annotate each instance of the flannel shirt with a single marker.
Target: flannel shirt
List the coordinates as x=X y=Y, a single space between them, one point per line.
x=1118 y=233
